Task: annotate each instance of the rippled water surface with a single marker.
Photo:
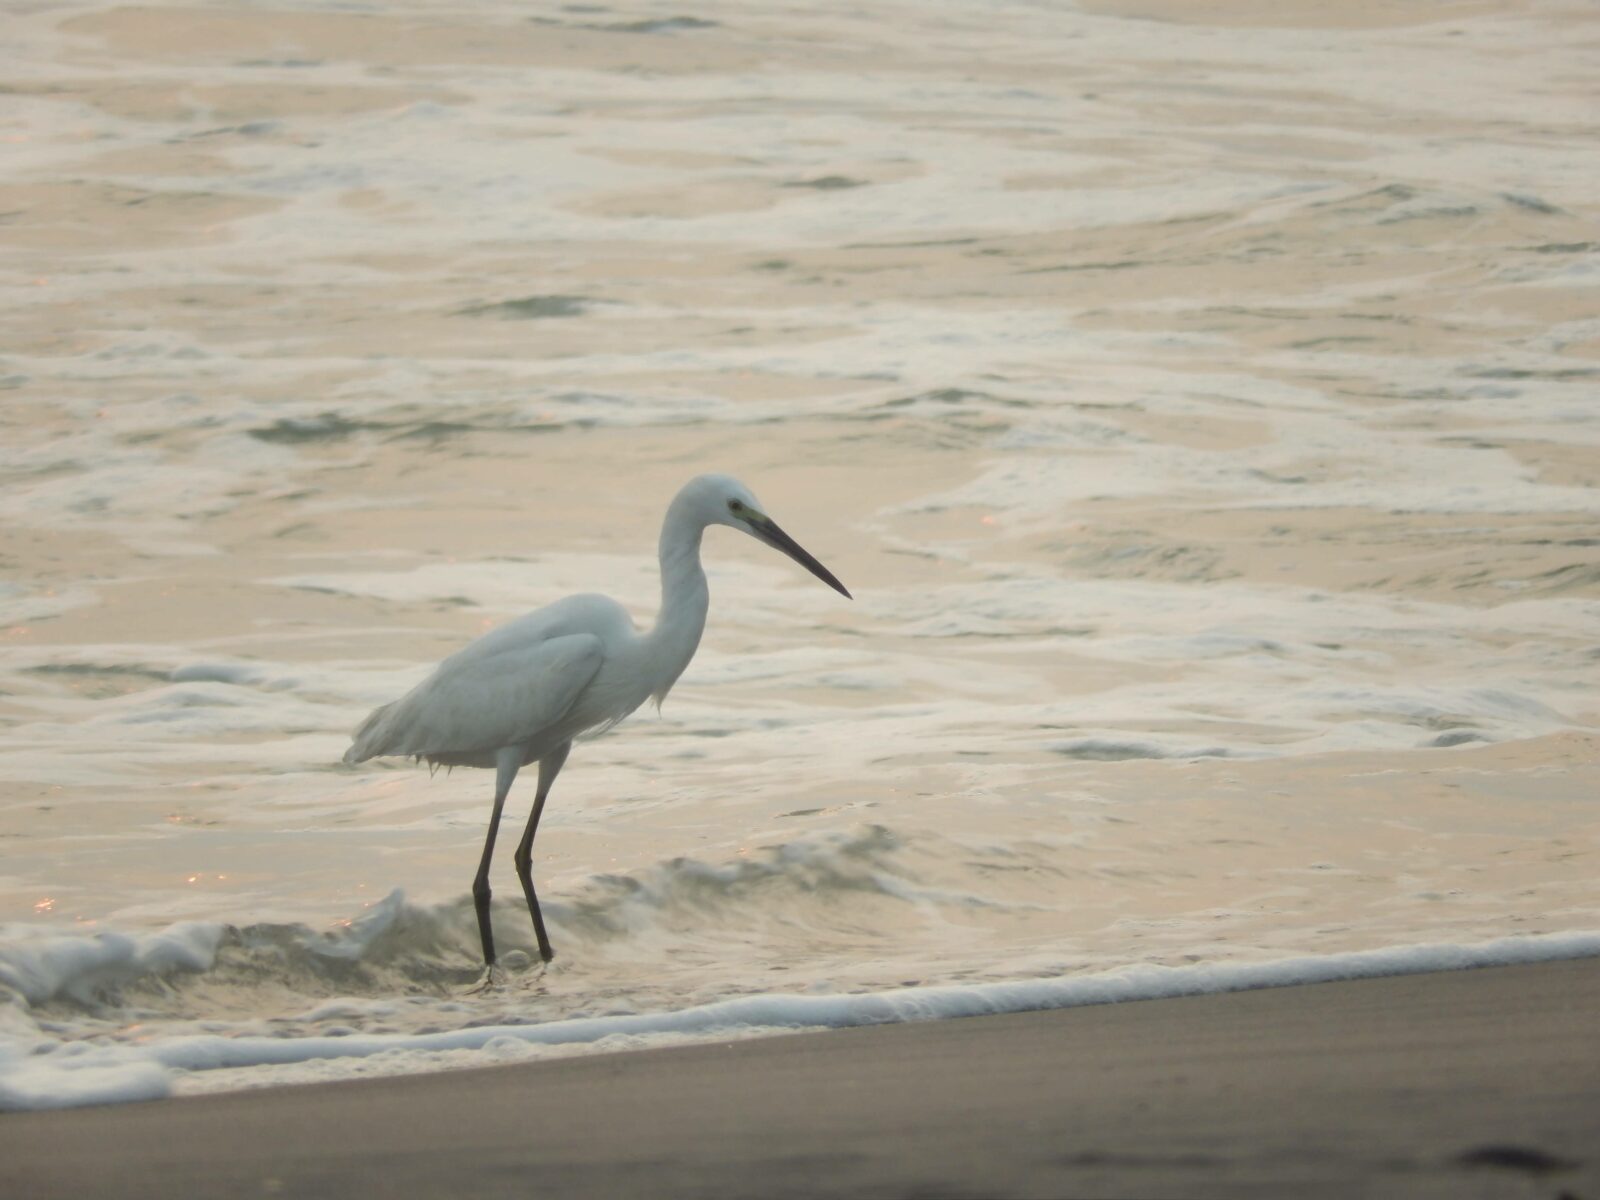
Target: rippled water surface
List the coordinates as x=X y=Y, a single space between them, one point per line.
x=1199 y=399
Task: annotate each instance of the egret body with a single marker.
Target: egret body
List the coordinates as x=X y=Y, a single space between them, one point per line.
x=521 y=693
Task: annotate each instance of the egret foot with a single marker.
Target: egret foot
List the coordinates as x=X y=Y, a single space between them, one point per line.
x=493 y=980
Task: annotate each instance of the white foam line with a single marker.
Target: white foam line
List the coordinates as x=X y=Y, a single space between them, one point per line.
x=1145 y=982
x=112 y=1073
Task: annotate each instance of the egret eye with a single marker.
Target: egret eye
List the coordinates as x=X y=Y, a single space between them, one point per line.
x=735 y=506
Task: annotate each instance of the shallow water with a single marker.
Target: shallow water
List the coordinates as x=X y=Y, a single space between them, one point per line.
x=1199 y=400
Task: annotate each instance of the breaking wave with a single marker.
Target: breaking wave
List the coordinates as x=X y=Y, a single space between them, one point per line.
x=397 y=946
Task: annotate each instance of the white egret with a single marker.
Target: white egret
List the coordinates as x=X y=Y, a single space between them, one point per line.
x=522 y=692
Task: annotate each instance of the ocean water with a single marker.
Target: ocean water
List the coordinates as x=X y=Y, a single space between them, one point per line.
x=1201 y=400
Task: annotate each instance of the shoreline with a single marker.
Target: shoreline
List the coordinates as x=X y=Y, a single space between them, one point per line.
x=1479 y=1081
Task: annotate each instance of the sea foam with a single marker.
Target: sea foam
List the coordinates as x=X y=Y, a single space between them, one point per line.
x=76 y=1073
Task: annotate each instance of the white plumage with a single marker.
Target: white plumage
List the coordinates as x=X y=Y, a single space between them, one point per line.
x=521 y=693
x=518 y=685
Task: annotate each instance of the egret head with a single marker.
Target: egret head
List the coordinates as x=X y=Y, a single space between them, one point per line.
x=728 y=502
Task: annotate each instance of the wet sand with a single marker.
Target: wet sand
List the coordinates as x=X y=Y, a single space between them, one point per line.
x=1469 y=1083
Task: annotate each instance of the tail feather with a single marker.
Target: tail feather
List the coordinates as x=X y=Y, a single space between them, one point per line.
x=368 y=740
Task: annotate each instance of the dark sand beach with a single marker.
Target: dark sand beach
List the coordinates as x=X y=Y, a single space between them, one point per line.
x=1468 y=1083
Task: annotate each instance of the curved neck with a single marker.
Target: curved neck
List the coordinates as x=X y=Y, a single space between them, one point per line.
x=684 y=594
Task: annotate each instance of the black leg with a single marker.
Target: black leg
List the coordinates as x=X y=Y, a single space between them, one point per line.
x=506 y=765
x=549 y=768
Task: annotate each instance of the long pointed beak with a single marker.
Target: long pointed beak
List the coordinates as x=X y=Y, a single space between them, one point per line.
x=767 y=530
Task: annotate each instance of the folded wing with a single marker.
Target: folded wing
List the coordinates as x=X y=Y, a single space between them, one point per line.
x=478 y=702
